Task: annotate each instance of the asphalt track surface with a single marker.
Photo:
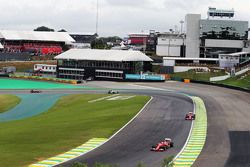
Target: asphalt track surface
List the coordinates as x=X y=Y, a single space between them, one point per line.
x=30 y=105
x=228 y=111
x=163 y=117
x=228 y=138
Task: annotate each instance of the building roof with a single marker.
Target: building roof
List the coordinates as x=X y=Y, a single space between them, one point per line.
x=36 y=36
x=82 y=33
x=187 y=58
x=141 y=34
x=103 y=55
x=236 y=54
x=49 y=65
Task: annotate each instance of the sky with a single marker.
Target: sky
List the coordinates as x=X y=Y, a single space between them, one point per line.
x=116 y=17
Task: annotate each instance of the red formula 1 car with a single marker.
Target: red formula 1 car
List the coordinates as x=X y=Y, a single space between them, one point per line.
x=190 y=116
x=163 y=146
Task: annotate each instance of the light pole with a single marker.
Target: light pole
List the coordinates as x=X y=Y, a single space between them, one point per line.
x=169 y=40
x=97 y=15
x=182 y=22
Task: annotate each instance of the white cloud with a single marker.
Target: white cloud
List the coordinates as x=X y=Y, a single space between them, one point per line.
x=117 y=17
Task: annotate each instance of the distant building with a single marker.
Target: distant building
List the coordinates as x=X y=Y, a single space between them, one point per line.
x=82 y=64
x=34 y=42
x=205 y=38
x=138 y=39
x=45 y=69
x=193 y=35
x=222 y=36
x=171 y=44
x=143 y=41
x=246 y=46
x=234 y=59
x=83 y=40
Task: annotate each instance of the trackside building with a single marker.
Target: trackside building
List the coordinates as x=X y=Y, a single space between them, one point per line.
x=81 y=64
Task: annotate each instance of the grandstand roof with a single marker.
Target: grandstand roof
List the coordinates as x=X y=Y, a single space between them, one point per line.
x=190 y=58
x=103 y=55
x=82 y=33
x=236 y=54
x=36 y=36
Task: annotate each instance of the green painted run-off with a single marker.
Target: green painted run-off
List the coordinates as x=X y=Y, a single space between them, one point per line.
x=27 y=84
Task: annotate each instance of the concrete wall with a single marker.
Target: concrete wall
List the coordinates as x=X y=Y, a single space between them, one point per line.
x=169 y=40
x=242 y=71
x=193 y=35
x=169 y=63
x=165 y=50
x=224 y=43
x=45 y=68
x=169 y=46
x=186 y=68
x=220 y=78
x=228 y=61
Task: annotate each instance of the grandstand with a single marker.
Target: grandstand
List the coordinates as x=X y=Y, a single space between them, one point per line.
x=35 y=42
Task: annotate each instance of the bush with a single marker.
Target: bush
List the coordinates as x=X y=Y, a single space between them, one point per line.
x=141 y=165
x=166 y=162
x=104 y=165
x=79 y=165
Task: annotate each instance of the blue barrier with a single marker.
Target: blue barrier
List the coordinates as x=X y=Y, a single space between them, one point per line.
x=145 y=77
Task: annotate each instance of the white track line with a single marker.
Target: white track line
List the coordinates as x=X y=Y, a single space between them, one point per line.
x=102 y=98
x=149 y=87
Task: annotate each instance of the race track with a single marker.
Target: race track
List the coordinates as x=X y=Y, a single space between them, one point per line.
x=228 y=135
x=34 y=104
x=163 y=117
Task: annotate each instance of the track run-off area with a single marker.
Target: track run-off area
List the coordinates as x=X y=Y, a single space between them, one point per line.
x=227 y=142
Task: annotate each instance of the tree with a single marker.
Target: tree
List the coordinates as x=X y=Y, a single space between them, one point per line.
x=99 y=44
x=43 y=28
x=62 y=30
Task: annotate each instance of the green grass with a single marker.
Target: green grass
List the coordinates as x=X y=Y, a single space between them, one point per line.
x=7 y=102
x=197 y=76
x=242 y=81
x=68 y=124
x=24 y=66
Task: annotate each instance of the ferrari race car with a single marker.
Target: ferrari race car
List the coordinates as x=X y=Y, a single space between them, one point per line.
x=163 y=146
x=190 y=116
x=35 y=91
x=113 y=92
